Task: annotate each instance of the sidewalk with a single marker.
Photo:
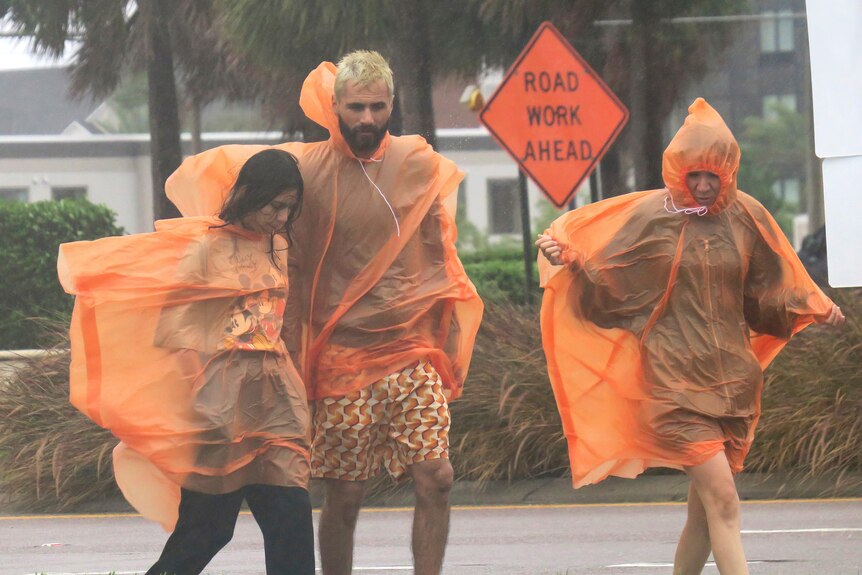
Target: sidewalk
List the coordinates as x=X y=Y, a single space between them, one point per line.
x=648 y=488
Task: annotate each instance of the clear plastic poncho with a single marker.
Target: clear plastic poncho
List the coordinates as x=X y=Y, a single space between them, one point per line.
x=176 y=349
x=658 y=327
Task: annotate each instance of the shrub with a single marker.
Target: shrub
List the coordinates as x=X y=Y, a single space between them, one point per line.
x=498 y=274
x=497 y=253
x=31 y=234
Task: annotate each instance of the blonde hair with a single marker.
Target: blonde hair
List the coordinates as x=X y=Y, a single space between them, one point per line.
x=363 y=67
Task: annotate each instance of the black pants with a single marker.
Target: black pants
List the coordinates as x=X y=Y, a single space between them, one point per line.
x=206 y=524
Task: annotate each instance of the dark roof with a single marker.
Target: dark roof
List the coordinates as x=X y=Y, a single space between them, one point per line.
x=36 y=102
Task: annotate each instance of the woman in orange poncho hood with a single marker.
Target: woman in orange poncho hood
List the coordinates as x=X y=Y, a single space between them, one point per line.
x=661 y=310
x=177 y=350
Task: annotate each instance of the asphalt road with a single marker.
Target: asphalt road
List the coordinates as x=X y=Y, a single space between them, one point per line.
x=821 y=537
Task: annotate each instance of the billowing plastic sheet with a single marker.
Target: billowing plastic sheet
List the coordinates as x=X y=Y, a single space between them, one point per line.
x=658 y=326
x=176 y=350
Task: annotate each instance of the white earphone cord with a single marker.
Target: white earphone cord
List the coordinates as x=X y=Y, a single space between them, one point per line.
x=701 y=211
x=394 y=217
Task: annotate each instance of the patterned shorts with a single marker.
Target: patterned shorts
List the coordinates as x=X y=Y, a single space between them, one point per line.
x=397 y=421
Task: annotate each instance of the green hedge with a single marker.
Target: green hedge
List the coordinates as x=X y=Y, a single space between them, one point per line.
x=30 y=235
x=498 y=274
x=506 y=253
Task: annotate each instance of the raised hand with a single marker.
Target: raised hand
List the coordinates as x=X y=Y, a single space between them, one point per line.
x=550 y=248
x=835 y=317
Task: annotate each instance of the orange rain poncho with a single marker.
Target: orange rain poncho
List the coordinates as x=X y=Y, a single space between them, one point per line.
x=658 y=329
x=176 y=350
x=371 y=290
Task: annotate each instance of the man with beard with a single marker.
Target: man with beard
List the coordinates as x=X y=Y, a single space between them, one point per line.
x=384 y=316
x=381 y=317
x=363 y=109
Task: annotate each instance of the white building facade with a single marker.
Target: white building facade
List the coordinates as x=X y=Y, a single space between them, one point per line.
x=114 y=170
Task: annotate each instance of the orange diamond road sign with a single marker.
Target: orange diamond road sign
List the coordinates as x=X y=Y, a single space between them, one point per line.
x=554 y=115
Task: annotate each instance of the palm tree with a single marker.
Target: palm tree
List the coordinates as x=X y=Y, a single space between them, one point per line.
x=422 y=41
x=168 y=39
x=165 y=151
x=208 y=66
x=665 y=57
x=111 y=34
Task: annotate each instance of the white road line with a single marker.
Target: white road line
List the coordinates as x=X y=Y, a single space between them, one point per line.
x=91 y=573
x=750 y=532
x=818 y=530
x=623 y=565
x=385 y=568
x=355 y=569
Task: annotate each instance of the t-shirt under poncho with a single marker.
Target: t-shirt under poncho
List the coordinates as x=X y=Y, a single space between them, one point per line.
x=376 y=283
x=176 y=349
x=659 y=326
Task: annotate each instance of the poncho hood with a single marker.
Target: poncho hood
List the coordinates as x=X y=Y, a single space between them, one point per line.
x=703 y=143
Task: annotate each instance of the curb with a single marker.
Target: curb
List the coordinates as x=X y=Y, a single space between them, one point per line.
x=645 y=489
x=671 y=487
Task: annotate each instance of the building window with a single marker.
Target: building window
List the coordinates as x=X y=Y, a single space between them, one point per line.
x=776 y=31
x=69 y=193
x=787 y=190
x=504 y=206
x=13 y=194
x=773 y=102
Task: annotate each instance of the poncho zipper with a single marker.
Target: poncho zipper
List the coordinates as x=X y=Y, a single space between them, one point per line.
x=710 y=318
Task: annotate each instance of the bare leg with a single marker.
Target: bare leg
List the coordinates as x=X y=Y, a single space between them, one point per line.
x=341 y=506
x=433 y=479
x=694 y=546
x=713 y=481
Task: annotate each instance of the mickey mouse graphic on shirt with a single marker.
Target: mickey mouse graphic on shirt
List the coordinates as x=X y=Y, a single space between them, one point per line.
x=255 y=321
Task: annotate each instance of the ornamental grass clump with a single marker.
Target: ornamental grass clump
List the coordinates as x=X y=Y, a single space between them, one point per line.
x=51 y=456
x=812 y=400
x=506 y=424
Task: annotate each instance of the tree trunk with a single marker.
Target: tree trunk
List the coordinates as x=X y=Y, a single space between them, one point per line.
x=165 y=152
x=396 y=122
x=411 y=64
x=613 y=183
x=312 y=131
x=197 y=126
x=647 y=136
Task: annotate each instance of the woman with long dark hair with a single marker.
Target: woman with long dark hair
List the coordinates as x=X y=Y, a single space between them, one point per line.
x=176 y=348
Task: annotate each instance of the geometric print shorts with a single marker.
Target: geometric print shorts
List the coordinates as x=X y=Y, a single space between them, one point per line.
x=397 y=421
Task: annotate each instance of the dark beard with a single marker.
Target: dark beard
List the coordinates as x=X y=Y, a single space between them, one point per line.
x=364 y=141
